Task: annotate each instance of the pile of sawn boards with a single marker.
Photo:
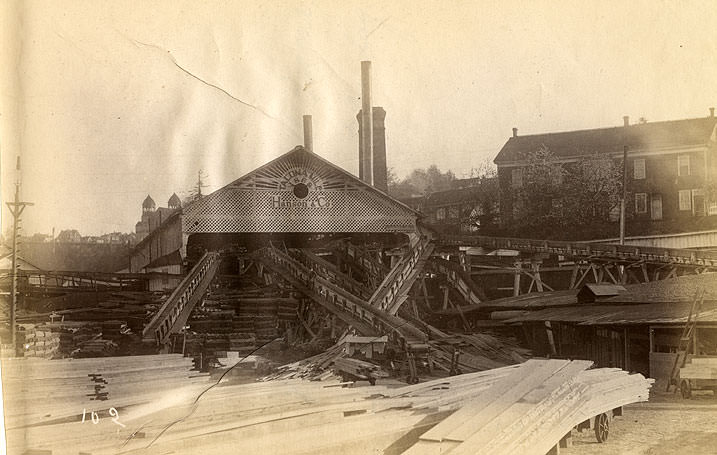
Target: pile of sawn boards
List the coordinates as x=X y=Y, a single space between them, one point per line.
x=237 y=320
x=38 y=392
x=524 y=408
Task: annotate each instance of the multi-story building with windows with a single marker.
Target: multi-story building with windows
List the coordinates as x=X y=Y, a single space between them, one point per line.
x=671 y=170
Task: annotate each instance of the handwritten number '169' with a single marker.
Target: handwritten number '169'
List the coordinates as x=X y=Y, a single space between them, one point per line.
x=96 y=418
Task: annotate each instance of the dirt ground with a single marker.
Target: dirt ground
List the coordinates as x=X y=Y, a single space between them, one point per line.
x=666 y=424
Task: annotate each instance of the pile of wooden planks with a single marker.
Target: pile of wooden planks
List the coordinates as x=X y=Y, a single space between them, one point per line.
x=237 y=316
x=37 y=391
x=40 y=342
x=532 y=408
x=524 y=408
x=477 y=351
x=354 y=369
x=315 y=367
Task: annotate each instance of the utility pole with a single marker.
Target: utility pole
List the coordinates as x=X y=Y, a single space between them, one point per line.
x=16 y=209
x=623 y=201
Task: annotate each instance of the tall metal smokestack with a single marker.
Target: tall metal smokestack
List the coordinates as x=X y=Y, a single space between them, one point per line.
x=366 y=139
x=308 y=134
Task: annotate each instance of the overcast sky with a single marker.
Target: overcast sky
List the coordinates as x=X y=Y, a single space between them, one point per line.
x=110 y=101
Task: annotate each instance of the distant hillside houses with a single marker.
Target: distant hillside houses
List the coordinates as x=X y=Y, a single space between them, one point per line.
x=74 y=236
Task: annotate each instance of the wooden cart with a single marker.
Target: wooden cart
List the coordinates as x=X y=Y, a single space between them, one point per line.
x=698 y=373
x=600 y=424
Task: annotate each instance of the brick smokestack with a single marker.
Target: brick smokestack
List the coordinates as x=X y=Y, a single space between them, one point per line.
x=380 y=175
x=366 y=126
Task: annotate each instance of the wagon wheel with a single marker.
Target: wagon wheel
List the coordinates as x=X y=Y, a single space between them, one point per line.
x=685 y=389
x=602 y=427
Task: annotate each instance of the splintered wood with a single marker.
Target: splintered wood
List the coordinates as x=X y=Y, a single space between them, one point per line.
x=525 y=408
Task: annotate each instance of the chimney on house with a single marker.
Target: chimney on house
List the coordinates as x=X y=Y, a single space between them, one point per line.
x=515 y=132
x=308 y=134
x=366 y=126
x=712 y=112
x=626 y=120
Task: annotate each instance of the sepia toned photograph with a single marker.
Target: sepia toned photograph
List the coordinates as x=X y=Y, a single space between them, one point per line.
x=313 y=227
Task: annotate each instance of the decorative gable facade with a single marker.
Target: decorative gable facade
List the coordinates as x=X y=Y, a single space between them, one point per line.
x=299 y=192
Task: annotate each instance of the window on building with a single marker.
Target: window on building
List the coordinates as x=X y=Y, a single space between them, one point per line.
x=656 y=206
x=441 y=213
x=516 y=177
x=640 y=202
x=713 y=208
x=683 y=165
x=685 y=200
x=614 y=213
x=698 y=203
x=639 y=169
x=556 y=175
x=453 y=211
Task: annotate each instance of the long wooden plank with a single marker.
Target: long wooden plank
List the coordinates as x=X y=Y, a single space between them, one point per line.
x=495 y=398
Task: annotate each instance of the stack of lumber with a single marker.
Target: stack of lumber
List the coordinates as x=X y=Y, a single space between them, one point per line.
x=700 y=368
x=39 y=391
x=532 y=408
x=478 y=351
x=97 y=347
x=41 y=342
x=358 y=369
x=239 y=319
x=68 y=336
x=516 y=409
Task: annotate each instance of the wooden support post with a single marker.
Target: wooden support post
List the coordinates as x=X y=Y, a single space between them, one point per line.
x=651 y=332
x=414 y=307
x=583 y=276
x=425 y=293
x=612 y=277
x=626 y=338
x=536 y=275
x=516 y=279
x=574 y=277
x=551 y=339
x=644 y=273
x=595 y=274
x=445 y=297
x=466 y=325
